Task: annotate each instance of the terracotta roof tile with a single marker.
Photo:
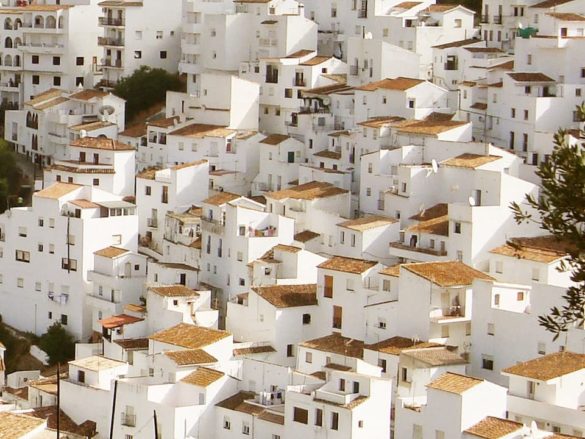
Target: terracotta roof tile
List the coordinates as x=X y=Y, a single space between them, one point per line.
x=221 y=198
x=395 y=345
x=545 y=249
x=306 y=235
x=368 y=222
x=400 y=83
x=57 y=190
x=308 y=191
x=316 y=60
x=288 y=296
x=16 y=426
x=328 y=154
x=118 y=321
x=85 y=204
x=253 y=350
x=429 y=127
x=198 y=131
x=165 y=122
x=447 y=274
x=138 y=130
x=96 y=363
x=174 y=291
x=88 y=94
x=203 y=377
x=494 y=428
x=190 y=356
x=550 y=3
x=347 y=265
x=133 y=343
x=567 y=16
x=434 y=226
x=393 y=270
x=454 y=383
x=189 y=336
x=66 y=424
x=530 y=77
x=337 y=344
x=435 y=357
x=111 y=252
x=268 y=416
x=435 y=211
x=459 y=43
x=549 y=366
x=101 y=143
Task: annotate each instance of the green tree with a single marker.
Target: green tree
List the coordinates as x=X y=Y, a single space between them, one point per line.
x=9 y=175
x=144 y=88
x=58 y=344
x=561 y=212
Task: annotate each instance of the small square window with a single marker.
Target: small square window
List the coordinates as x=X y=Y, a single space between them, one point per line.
x=35 y=59
x=79 y=61
x=56 y=81
x=306 y=319
x=138 y=54
x=36 y=79
x=163 y=54
x=56 y=60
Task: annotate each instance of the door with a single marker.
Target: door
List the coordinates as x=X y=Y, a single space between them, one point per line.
x=477 y=197
x=127 y=269
x=183 y=278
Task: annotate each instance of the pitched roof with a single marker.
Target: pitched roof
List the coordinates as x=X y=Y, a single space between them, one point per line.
x=434 y=357
x=337 y=344
x=101 y=143
x=221 y=198
x=316 y=60
x=393 y=270
x=198 y=130
x=16 y=426
x=308 y=191
x=347 y=265
x=118 y=321
x=395 y=345
x=57 y=190
x=530 y=77
x=288 y=296
x=66 y=424
x=549 y=366
x=401 y=83
x=567 y=16
x=545 y=249
x=447 y=274
x=470 y=161
x=429 y=127
x=435 y=211
x=454 y=383
x=137 y=130
x=174 y=291
x=328 y=154
x=164 y=122
x=190 y=356
x=189 y=336
x=459 y=43
x=367 y=222
x=494 y=428
x=111 y=252
x=434 y=226
x=253 y=350
x=88 y=94
x=133 y=343
x=203 y=377
x=550 y=3
x=306 y=235
x=274 y=139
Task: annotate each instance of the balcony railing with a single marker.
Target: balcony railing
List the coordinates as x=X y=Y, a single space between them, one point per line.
x=485 y=18
x=428 y=251
x=108 y=21
x=497 y=19
x=152 y=222
x=128 y=420
x=105 y=41
x=113 y=63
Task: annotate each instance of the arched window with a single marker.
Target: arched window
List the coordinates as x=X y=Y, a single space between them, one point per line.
x=8 y=43
x=51 y=22
x=17 y=42
x=17 y=23
x=8 y=24
x=17 y=61
x=61 y=22
x=39 y=21
x=8 y=61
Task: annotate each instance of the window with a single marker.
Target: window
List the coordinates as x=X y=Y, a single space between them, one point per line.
x=41 y=222
x=69 y=264
x=349 y=284
x=386 y=285
x=381 y=323
x=529 y=59
x=487 y=362
x=439 y=434
x=490 y=329
x=526 y=114
x=288 y=93
x=51 y=248
x=499 y=267
x=20 y=282
x=513 y=113
x=81 y=376
x=382 y=364
x=57 y=81
x=226 y=423
x=308 y=357
x=300 y=415
x=56 y=60
x=79 y=61
x=159 y=34
x=35 y=59
x=328 y=289
x=577 y=92
x=38 y=286
x=337 y=316
x=22 y=256
x=239 y=256
x=496 y=300
x=535 y=274
x=242 y=282
x=457 y=227
x=353 y=240
x=417 y=431
x=541 y=348
x=96 y=181
x=22 y=232
x=411 y=103
x=368 y=192
x=163 y=54
x=64 y=319
x=147 y=191
x=36 y=79
x=520 y=296
x=245 y=428
x=138 y=54
x=319 y=417
x=289 y=350
x=334 y=421
x=306 y=319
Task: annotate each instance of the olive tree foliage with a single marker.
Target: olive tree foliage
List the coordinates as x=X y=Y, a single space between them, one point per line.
x=561 y=211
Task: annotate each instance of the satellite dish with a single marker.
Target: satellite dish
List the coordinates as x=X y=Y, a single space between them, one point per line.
x=83 y=134
x=471 y=201
x=106 y=110
x=435 y=166
x=326 y=101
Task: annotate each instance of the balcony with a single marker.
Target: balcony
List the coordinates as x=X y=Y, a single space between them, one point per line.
x=212 y=225
x=363 y=13
x=497 y=19
x=299 y=82
x=334 y=397
x=128 y=420
x=109 y=21
x=426 y=251
x=115 y=63
x=152 y=222
x=485 y=19
x=115 y=42
x=450 y=314
x=451 y=65
x=267 y=232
